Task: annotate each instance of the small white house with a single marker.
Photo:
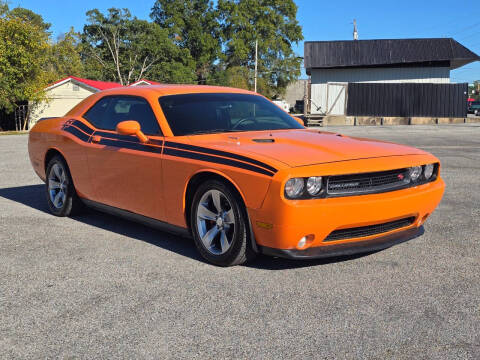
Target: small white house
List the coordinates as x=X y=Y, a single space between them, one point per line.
x=64 y=94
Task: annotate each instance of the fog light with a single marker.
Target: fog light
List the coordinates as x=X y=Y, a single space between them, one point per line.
x=302 y=242
x=305 y=241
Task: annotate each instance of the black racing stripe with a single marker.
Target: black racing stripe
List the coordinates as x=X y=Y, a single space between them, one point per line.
x=137 y=145
x=131 y=138
x=77 y=133
x=155 y=142
x=220 y=153
x=130 y=145
x=215 y=159
x=82 y=127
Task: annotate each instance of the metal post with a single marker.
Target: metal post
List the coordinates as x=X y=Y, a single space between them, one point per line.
x=305 y=99
x=256 y=58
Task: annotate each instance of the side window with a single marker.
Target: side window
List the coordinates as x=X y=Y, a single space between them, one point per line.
x=97 y=112
x=111 y=110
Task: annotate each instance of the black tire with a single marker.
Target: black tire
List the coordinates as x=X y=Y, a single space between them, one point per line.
x=240 y=249
x=71 y=205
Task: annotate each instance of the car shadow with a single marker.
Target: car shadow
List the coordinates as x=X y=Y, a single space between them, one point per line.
x=34 y=196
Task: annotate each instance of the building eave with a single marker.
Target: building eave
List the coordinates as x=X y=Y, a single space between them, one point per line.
x=386 y=53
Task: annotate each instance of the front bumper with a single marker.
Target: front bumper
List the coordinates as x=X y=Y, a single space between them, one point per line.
x=344 y=249
x=281 y=224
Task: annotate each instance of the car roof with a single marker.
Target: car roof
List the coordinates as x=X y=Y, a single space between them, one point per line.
x=153 y=91
x=173 y=89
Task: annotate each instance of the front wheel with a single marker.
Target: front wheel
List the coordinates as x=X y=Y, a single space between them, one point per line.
x=62 y=198
x=219 y=224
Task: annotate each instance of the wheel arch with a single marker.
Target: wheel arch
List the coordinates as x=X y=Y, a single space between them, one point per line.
x=198 y=178
x=50 y=153
x=201 y=176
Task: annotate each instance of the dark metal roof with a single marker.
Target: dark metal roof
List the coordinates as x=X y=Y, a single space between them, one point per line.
x=386 y=52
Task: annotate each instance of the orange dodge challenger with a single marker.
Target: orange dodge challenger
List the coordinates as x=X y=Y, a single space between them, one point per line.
x=235 y=172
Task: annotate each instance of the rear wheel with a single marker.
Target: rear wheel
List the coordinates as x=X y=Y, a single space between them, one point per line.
x=62 y=198
x=219 y=224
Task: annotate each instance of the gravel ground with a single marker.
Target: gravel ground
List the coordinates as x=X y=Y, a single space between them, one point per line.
x=96 y=286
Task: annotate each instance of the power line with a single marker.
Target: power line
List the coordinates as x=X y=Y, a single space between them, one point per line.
x=469 y=36
x=466 y=28
x=476 y=44
x=438 y=26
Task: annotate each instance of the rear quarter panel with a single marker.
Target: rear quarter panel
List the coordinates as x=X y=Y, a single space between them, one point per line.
x=47 y=135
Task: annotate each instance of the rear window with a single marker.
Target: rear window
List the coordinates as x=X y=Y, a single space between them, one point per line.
x=111 y=110
x=189 y=114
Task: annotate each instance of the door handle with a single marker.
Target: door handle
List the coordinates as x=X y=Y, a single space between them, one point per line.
x=96 y=139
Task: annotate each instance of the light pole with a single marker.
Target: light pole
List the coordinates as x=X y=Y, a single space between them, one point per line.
x=256 y=60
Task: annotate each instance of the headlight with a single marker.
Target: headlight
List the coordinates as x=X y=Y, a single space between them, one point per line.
x=314 y=185
x=415 y=172
x=428 y=171
x=294 y=187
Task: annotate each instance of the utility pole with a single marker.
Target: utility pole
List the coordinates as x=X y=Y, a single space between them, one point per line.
x=256 y=60
x=355 y=32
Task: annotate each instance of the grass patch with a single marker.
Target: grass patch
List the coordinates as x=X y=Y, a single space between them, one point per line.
x=13 y=132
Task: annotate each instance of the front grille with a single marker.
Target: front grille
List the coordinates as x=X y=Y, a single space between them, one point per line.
x=363 y=231
x=367 y=183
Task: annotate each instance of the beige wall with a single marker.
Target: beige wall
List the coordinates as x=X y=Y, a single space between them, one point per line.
x=60 y=100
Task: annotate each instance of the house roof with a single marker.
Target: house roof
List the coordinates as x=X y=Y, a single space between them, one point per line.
x=93 y=84
x=386 y=52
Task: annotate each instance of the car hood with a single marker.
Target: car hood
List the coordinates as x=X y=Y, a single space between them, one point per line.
x=304 y=146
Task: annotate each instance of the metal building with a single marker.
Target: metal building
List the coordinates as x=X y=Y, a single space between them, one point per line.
x=423 y=63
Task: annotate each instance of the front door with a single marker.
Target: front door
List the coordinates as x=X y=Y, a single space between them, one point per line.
x=125 y=173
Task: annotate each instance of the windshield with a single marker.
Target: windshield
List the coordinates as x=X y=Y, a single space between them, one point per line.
x=190 y=114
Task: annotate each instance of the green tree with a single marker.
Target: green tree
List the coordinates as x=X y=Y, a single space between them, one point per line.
x=3 y=7
x=64 y=57
x=193 y=26
x=119 y=47
x=31 y=17
x=274 y=25
x=23 y=48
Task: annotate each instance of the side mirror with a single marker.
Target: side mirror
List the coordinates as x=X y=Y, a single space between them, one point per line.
x=300 y=121
x=131 y=127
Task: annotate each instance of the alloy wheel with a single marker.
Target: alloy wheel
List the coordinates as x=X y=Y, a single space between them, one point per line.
x=57 y=185
x=215 y=222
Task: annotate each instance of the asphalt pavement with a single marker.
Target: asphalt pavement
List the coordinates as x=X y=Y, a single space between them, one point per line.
x=96 y=286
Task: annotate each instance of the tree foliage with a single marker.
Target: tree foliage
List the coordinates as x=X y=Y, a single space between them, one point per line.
x=221 y=40
x=23 y=48
x=29 y=16
x=273 y=24
x=188 y=41
x=29 y=60
x=125 y=49
x=194 y=27
x=64 y=58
